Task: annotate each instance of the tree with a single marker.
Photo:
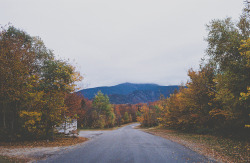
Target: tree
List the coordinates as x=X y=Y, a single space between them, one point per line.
x=104 y=110
x=227 y=52
x=118 y=115
x=126 y=117
x=57 y=80
x=33 y=86
x=17 y=78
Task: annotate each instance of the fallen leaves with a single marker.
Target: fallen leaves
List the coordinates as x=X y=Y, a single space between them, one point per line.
x=219 y=148
x=58 y=142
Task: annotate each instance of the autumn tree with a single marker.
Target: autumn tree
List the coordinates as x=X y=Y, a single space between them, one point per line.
x=17 y=78
x=216 y=97
x=147 y=115
x=33 y=86
x=118 y=115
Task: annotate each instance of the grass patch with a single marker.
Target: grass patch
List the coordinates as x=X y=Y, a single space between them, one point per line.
x=58 y=142
x=220 y=148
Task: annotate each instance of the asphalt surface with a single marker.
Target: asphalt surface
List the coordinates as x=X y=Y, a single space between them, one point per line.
x=92 y=134
x=127 y=145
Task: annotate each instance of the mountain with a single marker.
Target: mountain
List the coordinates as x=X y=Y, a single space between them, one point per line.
x=131 y=93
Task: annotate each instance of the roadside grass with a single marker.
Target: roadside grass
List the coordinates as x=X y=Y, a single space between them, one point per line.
x=58 y=142
x=220 y=148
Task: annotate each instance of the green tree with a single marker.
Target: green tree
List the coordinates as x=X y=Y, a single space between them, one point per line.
x=57 y=80
x=126 y=117
x=233 y=75
x=104 y=110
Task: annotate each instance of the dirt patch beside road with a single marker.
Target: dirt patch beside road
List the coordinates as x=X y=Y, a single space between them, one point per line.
x=34 y=150
x=217 y=148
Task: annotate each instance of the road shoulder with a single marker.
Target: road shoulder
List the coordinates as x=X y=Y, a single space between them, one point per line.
x=36 y=150
x=214 y=148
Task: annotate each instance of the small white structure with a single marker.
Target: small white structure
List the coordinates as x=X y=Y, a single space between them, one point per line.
x=68 y=127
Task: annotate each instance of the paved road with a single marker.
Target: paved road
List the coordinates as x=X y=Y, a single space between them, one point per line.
x=92 y=134
x=128 y=145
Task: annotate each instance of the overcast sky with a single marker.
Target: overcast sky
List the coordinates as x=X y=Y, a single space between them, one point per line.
x=116 y=41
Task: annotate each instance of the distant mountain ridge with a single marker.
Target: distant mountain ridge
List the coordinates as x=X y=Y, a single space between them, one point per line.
x=131 y=93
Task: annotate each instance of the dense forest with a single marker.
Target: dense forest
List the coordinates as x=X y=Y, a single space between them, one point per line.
x=99 y=112
x=33 y=86
x=216 y=97
x=38 y=91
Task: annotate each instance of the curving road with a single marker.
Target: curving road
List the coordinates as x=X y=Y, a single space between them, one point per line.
x=127 y=145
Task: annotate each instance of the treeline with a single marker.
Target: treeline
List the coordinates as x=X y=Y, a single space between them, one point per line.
x=216 y=97
x=37 y=92
x=99 y=113
x=33 y=86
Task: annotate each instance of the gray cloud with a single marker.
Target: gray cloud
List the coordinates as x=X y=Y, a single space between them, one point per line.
x=116 y=41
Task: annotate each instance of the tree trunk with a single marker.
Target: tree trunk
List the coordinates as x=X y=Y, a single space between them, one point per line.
x=52 y=134
x=4 y=119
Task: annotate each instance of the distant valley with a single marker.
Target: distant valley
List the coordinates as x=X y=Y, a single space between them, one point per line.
x=130 y=93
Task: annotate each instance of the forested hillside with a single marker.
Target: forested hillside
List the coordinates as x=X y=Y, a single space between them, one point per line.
x=130 y=93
